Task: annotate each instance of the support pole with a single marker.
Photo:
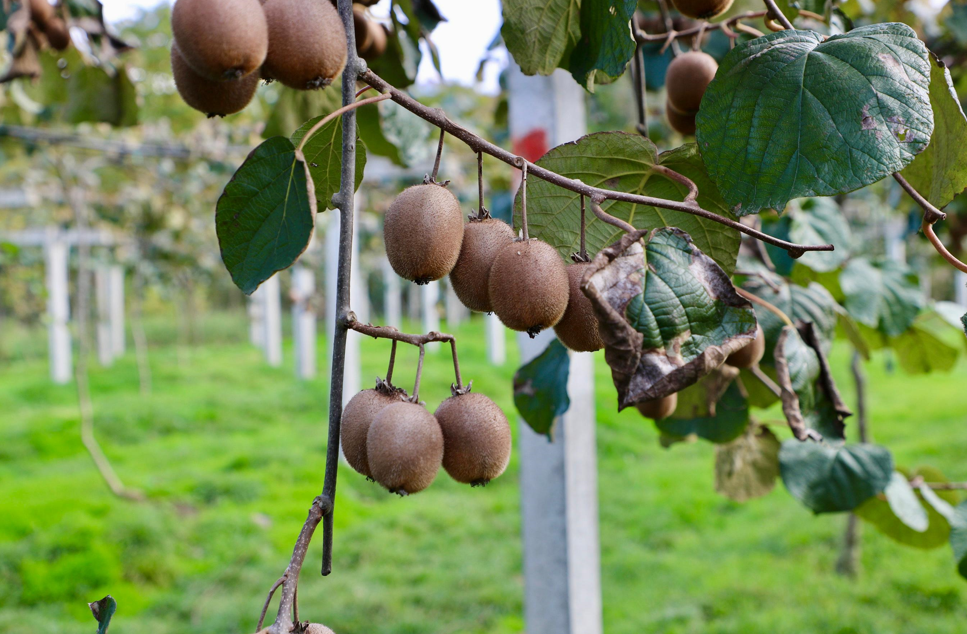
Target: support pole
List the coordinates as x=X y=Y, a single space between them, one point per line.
x=392 y=299
x=272 y=320
x=102 y=294
x=496 y=340
x=116 y=308
x=56 y=252
x=304 y=321
x=256 y=325
x=456 y=311
x=351 y=361
x=429 y=298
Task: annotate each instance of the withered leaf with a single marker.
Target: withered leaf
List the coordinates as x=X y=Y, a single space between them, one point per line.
x=747 y=467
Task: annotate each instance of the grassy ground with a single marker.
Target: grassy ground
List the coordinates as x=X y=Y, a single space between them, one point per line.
x=230 y=454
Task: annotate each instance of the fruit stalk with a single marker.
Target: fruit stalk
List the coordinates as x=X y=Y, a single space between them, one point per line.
x=931 y=215
x=439 y=155
x=644 y=38
x=774 y=12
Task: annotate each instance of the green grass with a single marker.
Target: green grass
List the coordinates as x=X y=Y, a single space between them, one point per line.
x=231 y=453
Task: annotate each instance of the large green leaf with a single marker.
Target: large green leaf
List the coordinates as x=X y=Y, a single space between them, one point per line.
x=606 y=44
x=923 y=348
x=815 y=221
x=940 y=172
x=881 y=294
x=747 y=467
x=902 y=513
x=727 y=423
x=790 y=115
x=540 y=33
x=668 y=313
x=323 y=154
x=834 y=478
x=540 y=388
x=624 y=162
x=266 y=214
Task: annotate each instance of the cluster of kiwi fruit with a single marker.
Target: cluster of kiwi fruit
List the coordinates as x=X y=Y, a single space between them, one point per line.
x=397 y=442
x=222 y=48
x=686 y=81
x=46 y=25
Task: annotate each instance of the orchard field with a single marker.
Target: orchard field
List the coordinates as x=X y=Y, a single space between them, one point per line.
x=228 y=466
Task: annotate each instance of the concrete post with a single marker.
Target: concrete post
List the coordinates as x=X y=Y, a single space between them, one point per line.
x=392 y=300
x=102 y=300
x=304 y=321
x=429 y=298
x=456 y=311
x=116 y=308
x=256 y=327
x=496 y=340
x=896 y=247
x=272 y=320
x=56 y=252
x=960 y=288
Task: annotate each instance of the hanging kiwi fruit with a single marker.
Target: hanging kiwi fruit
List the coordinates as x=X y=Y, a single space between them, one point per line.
x=687 y=78
x=483 y=238
x=476 y=438
x=423 y=231
x=528 y=286
x=221 y=39
x=578 y=328
x=404 y=447
x=357 y=418
x=659 y=408
x=702 y=9
x=58 y=33
x=306 y=43
x=681 y=122
x=364 y=37
x=751 y=354
x=378 y=38
x=41 y=12
x=214 y=98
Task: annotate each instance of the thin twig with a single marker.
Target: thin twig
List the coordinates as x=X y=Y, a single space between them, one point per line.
x=748 y=30
x=522 y=164
x=777 y=14
x=644 y=38
x=755 y=299
x=775 y=288
x=669 y=27
x=392 y=362
x=939 y=246
x=641 y=94
x=332 y=115
x=947 y=486
x=439 y=155
x=268 y=600
x=321 y=507
x=931 y=215
x=608 y=218
x=681 y=178
x=766 y=380
x=388 y=332
x=456 y=364
x=482 y=212
x=419 y=375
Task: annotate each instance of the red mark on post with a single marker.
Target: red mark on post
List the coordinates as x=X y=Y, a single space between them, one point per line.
x=532 y=146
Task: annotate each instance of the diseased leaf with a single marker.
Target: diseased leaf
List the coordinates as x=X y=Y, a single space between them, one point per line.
x=266 y=214
x=747 y=467
x=790 y=345
x=668 y=313
x=834 y=478
x=881 y=294
x=323 y=154
x=700 y=400
x=814 y=221
x=103 y=612
x=790 y=115
x=540 y=388
x=724 y=424
x=624 y=162
x=540 y=33
x=606 y=45
x=940 y=172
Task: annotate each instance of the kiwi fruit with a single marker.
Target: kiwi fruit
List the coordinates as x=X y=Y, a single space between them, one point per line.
x=423 y=231
x=405 y=448
x=364 y=37
x=482 y=239
x=307 y=43
x=379 y=36
x=702 y=9
x=751 y=354
x=659 y=408
x=214 y=98
x=681 y=122
x=578 y=328
x=476 y=438
x=41 y=12
x=58 y=33
x=357 y=417
x=687 y=78
x=528 y=286
x=221 y=39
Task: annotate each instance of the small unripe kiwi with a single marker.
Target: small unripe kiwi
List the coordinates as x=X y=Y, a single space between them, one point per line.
x=528 y=286
x=476 y=438
x=578 y=328
x=482 y=240
x=307 y=43
x=378 y=37
x=357 y=418
x=702 y=9
x=405 y=448
x=658 y=408
x=58 y=33
x=214 y=98
x=423 y=231
x=681 y=122
x=364 y=37
x=751 y=354
x=687 y=78
x=41 y=12
x=221 y=39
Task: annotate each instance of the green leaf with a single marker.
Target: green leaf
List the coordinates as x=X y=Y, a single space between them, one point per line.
x=747 y=467
x=668 y=314
x=812 y=303
x=958 y=539
x=789 y=115
x=816 y=221
x=881 y=294
x=606 y=45
x=540 y=388
x=830 y=479
x=624 y=162
x=540 y=33
x=899 y=514
x=266 y=214
x=388 y=130
x=323 y=154
x=103 y=612
x=399 y=63
x=295 y=107
x=370 y=124
x=730 y=419
x=940 y=172
x=97 y=95
x=922 y=349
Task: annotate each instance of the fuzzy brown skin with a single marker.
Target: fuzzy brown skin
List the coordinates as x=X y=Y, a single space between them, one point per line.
x=307 y=43
x=681 y=122
x=41 y=12
x=659 y=408
x=221 y=39
x=482 y=240
x=528 y=286
x=364 y=36
x=423 y=231
x=356 y=421
x=687 y=78
x=377 y=42
x=58 y=33
x=405 y=448
x=751 y=354
x=476 y=438
x=211 y=97
x=578 y=328
x=702 y=9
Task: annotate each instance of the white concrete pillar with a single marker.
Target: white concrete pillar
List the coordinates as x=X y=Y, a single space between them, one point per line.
x=392 y=299
x=896 y=246
x=256 y=325
x=116 y=308
x=56 y=253
x=304 y=321
x=456 y=311
x=562 y=571
x=496 y=340
x=358 y=301
x=270 y=292
x=102 y=300
x=429 y=300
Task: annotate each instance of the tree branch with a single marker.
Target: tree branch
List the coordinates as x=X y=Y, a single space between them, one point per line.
x=644 y=38
x=321 y=507
x=775 y=13
x=438 y=118
x=931 y=215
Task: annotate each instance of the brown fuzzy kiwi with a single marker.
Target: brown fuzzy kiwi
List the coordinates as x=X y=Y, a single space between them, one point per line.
x=528 y=286
x=307 y=43
x=687 y=78
x=41 y=12
x=681 y=122
x=751 y=354
x=658 y=408
x=482 y=240
x=578 y=328
x=214 y=98
x=379 y=36
x=476 y=438
x=58 y=33
x=357 y=418
x=702 y=9
x=312 y=628
x=364 y=37
x=423 y=231
x=221 y=39
x=405 y=448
